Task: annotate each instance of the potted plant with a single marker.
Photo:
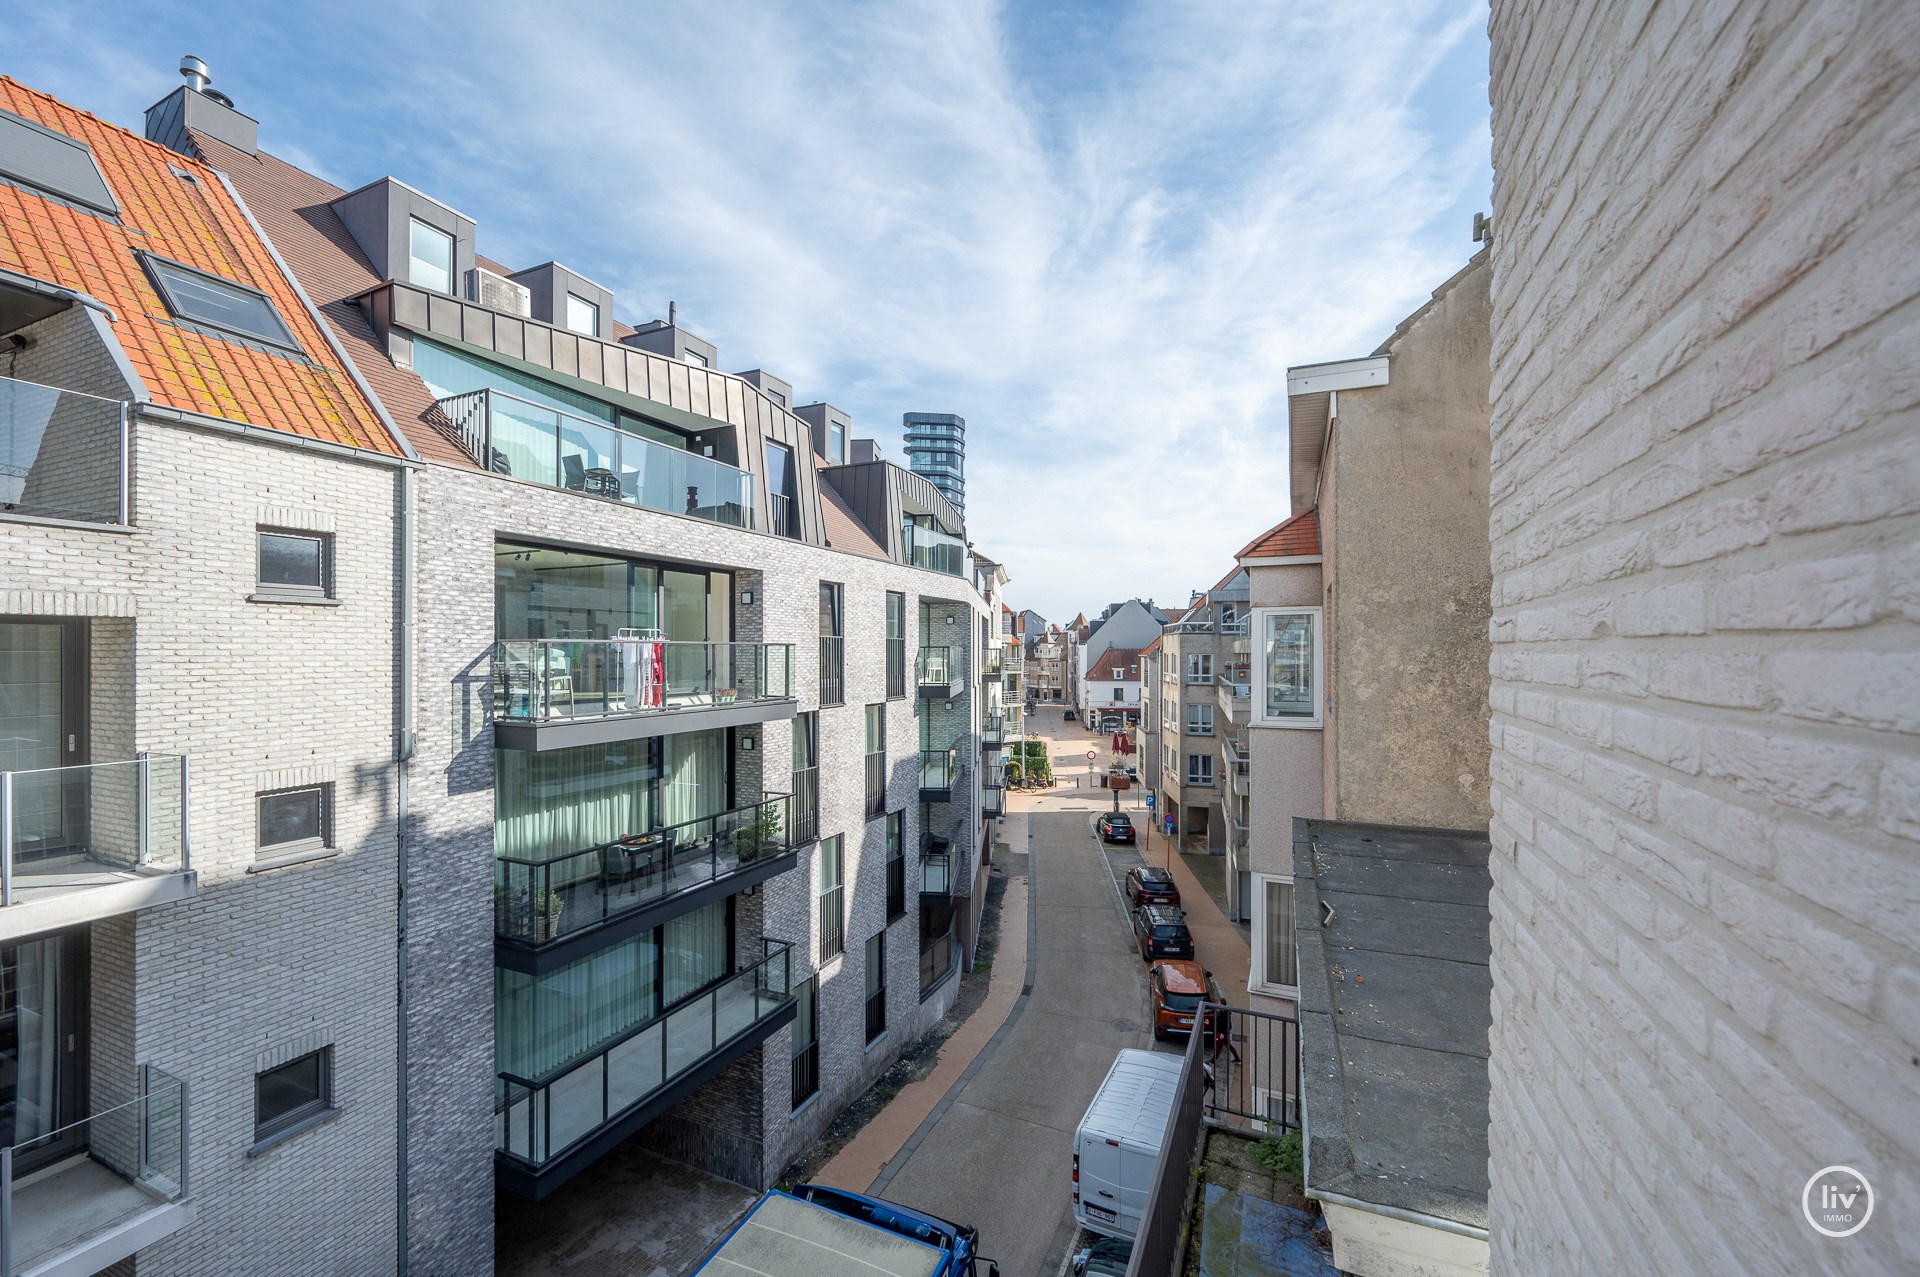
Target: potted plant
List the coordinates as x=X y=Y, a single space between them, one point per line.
x=759 y=835
x=546 y=915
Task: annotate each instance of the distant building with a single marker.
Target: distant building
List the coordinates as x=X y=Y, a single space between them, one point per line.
x=937 y=448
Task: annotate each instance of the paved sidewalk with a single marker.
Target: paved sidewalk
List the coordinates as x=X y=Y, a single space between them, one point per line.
x=856 y=1166
x=1217 y=942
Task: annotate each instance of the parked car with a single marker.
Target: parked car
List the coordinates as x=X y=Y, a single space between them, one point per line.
x=1071 y=716
x=1151 y=885
x=1114 y=826
x=1161 y=932
x=1133 y=773
x=1107 y=1257
x=1176 y=987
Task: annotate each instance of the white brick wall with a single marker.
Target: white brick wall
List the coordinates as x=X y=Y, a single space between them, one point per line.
x=1706 y=552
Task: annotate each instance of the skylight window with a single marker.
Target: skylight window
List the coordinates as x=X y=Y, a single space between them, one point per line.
x=218 y=303
x=52 y=163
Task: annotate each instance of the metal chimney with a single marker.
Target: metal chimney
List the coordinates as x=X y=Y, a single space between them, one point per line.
x=196 y=73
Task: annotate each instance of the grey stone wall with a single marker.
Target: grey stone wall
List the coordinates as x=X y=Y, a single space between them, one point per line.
x=1706 y=870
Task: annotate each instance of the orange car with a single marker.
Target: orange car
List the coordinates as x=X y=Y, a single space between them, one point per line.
x=1178 y=985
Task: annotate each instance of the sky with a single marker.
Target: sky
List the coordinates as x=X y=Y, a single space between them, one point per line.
x=1100 y=232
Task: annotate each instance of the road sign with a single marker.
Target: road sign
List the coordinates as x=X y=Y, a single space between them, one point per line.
x=1149 y=798
x=1092 y=754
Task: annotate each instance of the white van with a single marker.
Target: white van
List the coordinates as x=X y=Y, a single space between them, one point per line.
x=1118 y=1143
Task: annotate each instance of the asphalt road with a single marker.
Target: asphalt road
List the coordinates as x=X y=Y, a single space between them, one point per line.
x=1001 y=1155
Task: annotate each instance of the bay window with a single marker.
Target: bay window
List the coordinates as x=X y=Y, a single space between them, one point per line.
x=1287 y=667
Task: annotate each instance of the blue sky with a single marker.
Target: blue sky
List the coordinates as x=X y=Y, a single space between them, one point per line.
x=1099 y=232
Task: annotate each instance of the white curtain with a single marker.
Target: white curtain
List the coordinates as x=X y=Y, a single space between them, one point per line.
x=696 y=777
x=550 y=805
x=694 y=951
x=35 y=1093
x=543 y=1022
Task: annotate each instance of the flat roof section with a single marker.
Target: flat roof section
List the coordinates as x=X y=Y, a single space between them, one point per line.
x=1395 y=1006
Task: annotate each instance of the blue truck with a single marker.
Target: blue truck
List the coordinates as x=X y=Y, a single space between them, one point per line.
x=815 y=1231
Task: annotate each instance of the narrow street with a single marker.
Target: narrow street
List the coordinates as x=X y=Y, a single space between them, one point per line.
x=999 y=1154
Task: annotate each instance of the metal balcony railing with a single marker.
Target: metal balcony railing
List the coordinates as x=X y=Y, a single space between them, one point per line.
x=129 y=816
x=537 y=902
x=510 y=435
x=542 y=680
x=1187 y=627
x=539 y=1119
x=833 y=669
x=63 y=454
x=135 y=1165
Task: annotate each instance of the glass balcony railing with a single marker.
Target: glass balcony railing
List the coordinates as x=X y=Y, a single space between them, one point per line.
x=936 y=873
x=939 y=770
x=537 y=902
x=539 y=1119
x=514 y=436
x=67 y=829
x=542 y=680
x=63 y=454
x=76 y=1218
x=937 y=666
x=993 y=730
x=935 y=550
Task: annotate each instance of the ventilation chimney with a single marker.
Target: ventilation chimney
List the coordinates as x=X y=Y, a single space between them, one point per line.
x=196 y=73
x=199 y=107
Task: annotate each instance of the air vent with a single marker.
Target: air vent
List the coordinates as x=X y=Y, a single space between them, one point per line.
x=499 y=292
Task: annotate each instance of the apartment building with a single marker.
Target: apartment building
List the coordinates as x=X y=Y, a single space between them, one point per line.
x=1706 y=840
x=1048 y=665
x=204 y=522
x=1202 y=708
x=1101 y=694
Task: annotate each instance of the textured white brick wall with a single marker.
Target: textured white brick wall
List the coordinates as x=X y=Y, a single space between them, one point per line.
x=1706 y=553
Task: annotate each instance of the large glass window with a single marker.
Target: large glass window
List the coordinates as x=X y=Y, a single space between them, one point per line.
x=832 y=902
x=1276 y=969
x=896 y=645
x=896 y=864
x=583 y=316
x=836 y=442
x=1287 y=666
x=1199 y=720
x=833 y=681
x=876 y=985
x=806 y=778
x=806 y=1043
x=782 y=520
x=1200 y=667
x=429 y=256
x=876 y=759
x=551 y=804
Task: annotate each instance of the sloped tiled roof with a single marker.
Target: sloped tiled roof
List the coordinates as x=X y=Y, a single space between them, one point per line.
x=1150 y=648
x=844 y=529
x=295 y=209
x=1127 y=658
x=194 y=221
x=1295 y=538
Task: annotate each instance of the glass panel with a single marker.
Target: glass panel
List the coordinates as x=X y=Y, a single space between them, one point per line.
x=550 y=804
x=286 y=1092
x=429 y=256
x=30 y=1034
x=1289 y=666
x=292 y=560
x=694 y=951
x=575 y=1104
x=541 y=1022
x=193 y=296
x=635 y=1068
x=32 y=734
x=589 y=456
x=683 y=598
x=524 y=441
x=60 y=453
x=583 y=316
x=542 y=593
x=1280 y=955
x=298 y=816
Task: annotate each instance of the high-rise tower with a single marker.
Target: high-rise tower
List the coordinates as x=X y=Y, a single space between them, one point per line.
x=937 y=448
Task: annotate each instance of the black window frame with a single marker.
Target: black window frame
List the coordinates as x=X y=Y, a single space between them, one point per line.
x=804 y=1061
x=56 y=190
x=265 y=589
x=896 y=831
x=805 y=781
x=830 y=903
x=833 y=644
x=321 y=841
x=782 y=502
x=876 y=985
x=268 y=1128
x=876 y=759
x=156 y=267
x=896 y=645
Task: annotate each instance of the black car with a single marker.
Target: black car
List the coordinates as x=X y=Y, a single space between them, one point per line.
x=1107 y=1257
x=1160 y=931
x=1151 y=885
x=1071 y=716
x=1114 y=826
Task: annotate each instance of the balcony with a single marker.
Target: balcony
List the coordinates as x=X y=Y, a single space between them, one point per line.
x=941 y=673
x=991 y=662
x=1237 y=628
x=934 y=550
x=993 y=732
x=993 y=797
x=559 y=693
x=939 y=774
x=548 y=1129
x=63 y=455
x=514 y=436
x=1188 y=627
x=1236 y=697
x=936 y=873
x=129 y=1190
x=551 y=912
x=88 y=842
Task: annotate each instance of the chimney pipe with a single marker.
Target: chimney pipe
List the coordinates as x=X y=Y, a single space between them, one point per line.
x=196 y=73
x=670 y=312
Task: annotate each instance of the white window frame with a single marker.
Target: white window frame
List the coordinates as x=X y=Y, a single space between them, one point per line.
x=1257 y=969
x=1212 y=772
x=453 y=256
x=591 y=315
x=1195 y=710
x=1257 y=651
x=1199 y=668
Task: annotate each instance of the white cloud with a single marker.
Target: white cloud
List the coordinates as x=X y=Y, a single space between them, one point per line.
x=1099 y=236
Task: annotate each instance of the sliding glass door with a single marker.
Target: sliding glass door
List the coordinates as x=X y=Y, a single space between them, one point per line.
x=41 y=1087
x=43 y=710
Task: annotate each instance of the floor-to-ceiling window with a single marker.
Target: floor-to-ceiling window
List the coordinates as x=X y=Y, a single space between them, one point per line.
x=40 y=1011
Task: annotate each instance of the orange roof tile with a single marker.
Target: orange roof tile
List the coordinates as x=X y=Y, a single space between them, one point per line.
x=196 y=223
x=1295 y=538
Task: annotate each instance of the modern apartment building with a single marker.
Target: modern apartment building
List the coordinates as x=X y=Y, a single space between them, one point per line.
x=427 y=824
x=937 y=449
x=204 y=526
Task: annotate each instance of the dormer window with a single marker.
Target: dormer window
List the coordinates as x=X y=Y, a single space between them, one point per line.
x=697 y=359
x=429 y=256
x=777 y=397
x=836 y=442
x=583 y=316
x=211 y=302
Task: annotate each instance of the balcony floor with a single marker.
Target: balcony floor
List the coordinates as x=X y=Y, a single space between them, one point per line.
x=75 y=1203
x=73 y=889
